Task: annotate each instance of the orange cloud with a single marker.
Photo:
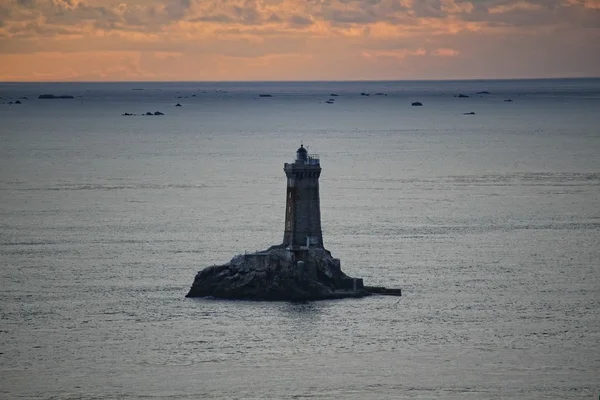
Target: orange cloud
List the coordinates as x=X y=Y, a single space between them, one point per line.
x=518 y=6
x=453 y=7
x=446 y=52
x=591 y=4
x=292 y=39
x=398 y=54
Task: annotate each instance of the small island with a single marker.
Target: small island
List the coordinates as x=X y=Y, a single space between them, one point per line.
x=53 y=97
x=299 y=269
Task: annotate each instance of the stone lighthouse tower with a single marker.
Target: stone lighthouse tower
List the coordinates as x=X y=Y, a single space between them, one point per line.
x=301 y=268
x=302 y=208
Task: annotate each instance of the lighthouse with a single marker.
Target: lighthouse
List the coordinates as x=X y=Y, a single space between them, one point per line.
x=302 y=206
x=300 y=268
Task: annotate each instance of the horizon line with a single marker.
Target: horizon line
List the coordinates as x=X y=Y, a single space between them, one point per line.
x=314 y=81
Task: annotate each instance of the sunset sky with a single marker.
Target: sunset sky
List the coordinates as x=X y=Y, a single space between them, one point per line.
x=207 y=40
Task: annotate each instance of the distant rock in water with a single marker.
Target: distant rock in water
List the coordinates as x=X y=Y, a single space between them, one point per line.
x=23 y=98
x=149 y=113
x=18 y=102
x=330 y=101
x=416 y=104
x=158 y=113
x=364 y=94
x=177 y=105
x=52 y=97
x=469 y=113
x=483 y=92
x=462 y=96
x=380 y=94
x=508 y=100
x=265 y=95
x=334 y=95
x=127 y=114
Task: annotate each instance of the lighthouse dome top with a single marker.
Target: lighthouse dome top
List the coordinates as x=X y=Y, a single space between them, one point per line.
x=301 y=154
x=303 y=158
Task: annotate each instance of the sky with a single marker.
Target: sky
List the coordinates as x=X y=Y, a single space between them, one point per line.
x=227 y=40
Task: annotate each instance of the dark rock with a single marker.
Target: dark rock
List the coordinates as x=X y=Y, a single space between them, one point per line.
x=193 y=95
x=177 y=105
x=10 y=102
x=265 y=95
x=334 y=95
x=380 y=94
x=364 y=94
x=416 y=103
x=463 y=96
x=483 y=92
x=24 y=98
x=383 y=290
x=508 y=100
x=158 y=113
x=330 y=102
x=51 y=96
x=149 y=113
x=18 y=102
x=127 y=114
x=469 y=113
x=275 y=274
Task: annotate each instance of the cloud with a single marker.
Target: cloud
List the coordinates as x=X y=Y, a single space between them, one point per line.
x=299 y=20
x=404 y=37
x=455 y=7
x=592 y=4
x=518 y=6
x=445 y=52
x=398 y=54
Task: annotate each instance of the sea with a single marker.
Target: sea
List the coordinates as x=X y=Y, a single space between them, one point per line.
x=488 y=222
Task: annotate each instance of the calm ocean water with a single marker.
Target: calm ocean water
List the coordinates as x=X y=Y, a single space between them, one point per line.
x=490 y=223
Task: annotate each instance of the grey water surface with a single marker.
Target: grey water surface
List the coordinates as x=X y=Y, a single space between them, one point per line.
x=490 y=223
